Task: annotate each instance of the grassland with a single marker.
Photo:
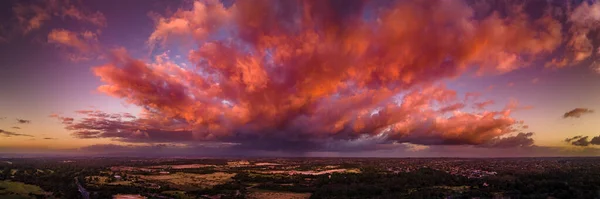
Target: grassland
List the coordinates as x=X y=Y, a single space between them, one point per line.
x=189 y=180
x=9 y=189
x=264 y=194
x=103 y=180
x=178 y=194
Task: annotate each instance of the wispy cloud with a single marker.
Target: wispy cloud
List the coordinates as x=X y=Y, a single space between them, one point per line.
x=583 y=140
x=11 y=134
x=34 y=15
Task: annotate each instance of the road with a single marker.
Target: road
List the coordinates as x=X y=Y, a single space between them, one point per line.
x=84 y=193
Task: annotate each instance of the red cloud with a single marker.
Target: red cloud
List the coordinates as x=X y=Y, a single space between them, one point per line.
x=305 y=74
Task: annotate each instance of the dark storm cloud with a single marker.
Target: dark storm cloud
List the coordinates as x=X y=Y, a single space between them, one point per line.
x=23 y=121
x=577 y=112
x=10 y=134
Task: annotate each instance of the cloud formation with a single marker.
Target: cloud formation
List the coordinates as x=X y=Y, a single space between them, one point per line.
x=11 y=134
x=583 y=140
x=520 y=140
x=32 y=16
x=326 y=75
x=583 y=23
x=577 y=113
x=315 y=75
x=77 y=46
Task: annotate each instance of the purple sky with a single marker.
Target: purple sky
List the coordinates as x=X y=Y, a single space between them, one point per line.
x=301 y=78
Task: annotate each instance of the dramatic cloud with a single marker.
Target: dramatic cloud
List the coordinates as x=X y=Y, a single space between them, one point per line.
x=326 y=75
x=413 y=121
x=78 y=46
x=580 y=45
x=316 y=75
x=32 y=16
x=49 y=138
x=577 y=112
x=11 y=134
x=16 y=127
x=583 y=140
x=23 y=121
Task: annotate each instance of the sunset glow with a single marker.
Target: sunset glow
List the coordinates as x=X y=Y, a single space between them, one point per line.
x=380 y=78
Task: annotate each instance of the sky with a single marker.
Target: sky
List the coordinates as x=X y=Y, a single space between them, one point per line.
x=336 y=78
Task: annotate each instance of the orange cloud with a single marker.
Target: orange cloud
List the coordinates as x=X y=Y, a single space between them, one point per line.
x=199 y=22
x=78 y=46
x=311 y=73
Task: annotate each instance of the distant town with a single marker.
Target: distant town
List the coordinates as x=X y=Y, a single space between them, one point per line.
x=300 y=178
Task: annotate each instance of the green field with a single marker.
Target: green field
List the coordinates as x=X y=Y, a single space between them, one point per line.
x=9 y=189
x=178 y=194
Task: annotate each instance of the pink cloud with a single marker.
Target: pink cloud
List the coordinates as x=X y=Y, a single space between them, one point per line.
x=32 y=16
x=77 y=46
x=307 y=74
x=482 y=105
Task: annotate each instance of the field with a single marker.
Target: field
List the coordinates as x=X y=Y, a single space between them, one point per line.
x=182 y=166
x=103 y=180
x=263 y=194
x=190 y=180
x=128 y=196
x=9 y=189
x=178 y=194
